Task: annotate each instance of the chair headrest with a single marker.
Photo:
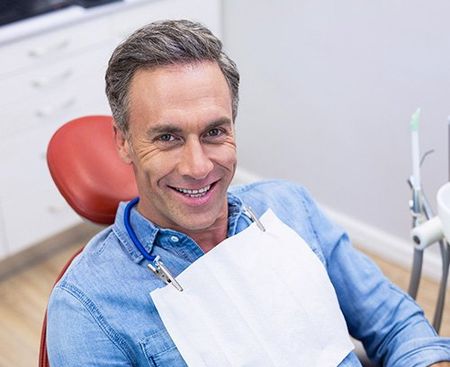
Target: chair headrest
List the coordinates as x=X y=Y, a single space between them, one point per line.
x=87 y=169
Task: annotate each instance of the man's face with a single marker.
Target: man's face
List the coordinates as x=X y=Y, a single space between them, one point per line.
x=181 y=144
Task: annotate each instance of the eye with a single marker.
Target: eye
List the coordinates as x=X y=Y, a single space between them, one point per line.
x=166 y=138
x=214 y=132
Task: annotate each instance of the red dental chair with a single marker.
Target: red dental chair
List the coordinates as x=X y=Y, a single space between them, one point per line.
x=89 y=174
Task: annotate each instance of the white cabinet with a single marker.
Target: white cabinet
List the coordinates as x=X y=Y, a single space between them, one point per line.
x=45 y=81
x=48 y=79
x=52 y=46
x=206 y=12
x=32 y=207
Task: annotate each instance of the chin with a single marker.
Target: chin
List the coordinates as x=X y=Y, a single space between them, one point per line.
x=197 y=223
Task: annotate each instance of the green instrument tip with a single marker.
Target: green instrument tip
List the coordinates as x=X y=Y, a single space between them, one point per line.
x=415 y=120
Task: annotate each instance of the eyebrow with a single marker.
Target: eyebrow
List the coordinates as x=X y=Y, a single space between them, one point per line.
x=220 y=122
x=164 y=128
x=170 y=128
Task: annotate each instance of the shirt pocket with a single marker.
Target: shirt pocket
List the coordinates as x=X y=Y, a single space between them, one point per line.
x=160 y=350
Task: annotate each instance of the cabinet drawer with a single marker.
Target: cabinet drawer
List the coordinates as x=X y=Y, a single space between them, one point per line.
x=52 y=46
x=27 y=86
x=67 y=90
x=17 y=119
x=54 y=112
x=55 y=77
x=32 y=207
x=38 y=215
x=23 y=161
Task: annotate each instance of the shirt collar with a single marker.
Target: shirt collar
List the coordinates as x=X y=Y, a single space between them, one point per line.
x=147 y=232
x=144 y=229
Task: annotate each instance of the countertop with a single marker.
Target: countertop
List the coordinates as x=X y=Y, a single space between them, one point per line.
x=26 y=28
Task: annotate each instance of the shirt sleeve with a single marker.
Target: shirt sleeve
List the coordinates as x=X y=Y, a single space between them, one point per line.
x=77 y=337
x=388 y=322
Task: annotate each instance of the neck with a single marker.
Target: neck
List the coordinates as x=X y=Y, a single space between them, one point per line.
x=207 y=240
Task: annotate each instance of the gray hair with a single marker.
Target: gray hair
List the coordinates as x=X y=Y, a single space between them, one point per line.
x=164 y=43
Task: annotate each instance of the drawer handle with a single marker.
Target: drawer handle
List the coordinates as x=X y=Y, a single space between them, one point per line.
x=51 y=80
x=39 y=52
x=50 y=110
x=54 y=209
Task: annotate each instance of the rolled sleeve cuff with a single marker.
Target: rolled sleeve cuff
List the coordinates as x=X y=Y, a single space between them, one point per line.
x=421 y=352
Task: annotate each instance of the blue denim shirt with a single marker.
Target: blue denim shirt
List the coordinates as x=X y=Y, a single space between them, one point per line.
x=101 y=314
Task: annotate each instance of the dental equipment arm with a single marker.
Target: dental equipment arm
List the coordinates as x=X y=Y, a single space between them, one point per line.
x=416 y=203
x=421 y=212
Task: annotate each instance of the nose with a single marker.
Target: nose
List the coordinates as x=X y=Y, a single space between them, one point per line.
x=194 y=162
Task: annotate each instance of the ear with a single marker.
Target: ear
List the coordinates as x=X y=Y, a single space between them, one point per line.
x=122 y=145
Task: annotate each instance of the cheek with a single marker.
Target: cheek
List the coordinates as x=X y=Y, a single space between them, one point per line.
x=225 y=155
x=157 y=166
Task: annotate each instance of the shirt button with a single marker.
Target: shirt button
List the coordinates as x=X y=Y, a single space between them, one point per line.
x=174 y=239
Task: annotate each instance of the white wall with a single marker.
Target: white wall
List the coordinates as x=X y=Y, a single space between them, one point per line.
x=328 y=88
x=327 y=92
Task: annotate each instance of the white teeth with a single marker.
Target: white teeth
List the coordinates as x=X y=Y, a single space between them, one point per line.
x=195 y=192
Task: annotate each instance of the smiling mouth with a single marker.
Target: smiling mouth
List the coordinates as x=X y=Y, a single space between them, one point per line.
x=194 y=193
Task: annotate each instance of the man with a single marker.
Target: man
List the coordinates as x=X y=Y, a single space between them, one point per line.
x=174 y=96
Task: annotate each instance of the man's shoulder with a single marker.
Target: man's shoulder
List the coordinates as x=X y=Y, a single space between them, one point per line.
x=87 y=266
x=290 y=202
x=275 y=189
x=285 y=198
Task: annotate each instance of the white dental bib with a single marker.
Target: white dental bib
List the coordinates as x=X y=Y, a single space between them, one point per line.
x=258 y=299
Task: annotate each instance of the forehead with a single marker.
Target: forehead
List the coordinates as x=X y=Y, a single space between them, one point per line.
x=179 y=92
